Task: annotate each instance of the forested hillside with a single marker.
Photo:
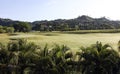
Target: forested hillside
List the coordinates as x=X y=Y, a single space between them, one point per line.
x=80 y=23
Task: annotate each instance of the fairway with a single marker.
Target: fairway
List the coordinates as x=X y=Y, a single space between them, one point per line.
x=74 y=41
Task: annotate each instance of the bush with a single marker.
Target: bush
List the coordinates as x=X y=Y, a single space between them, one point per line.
x=4 y=29
x=19 y=56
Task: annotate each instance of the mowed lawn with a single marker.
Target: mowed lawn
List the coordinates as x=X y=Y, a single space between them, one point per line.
x=74 y=41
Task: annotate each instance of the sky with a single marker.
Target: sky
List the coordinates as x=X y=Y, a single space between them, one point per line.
x=35 y=10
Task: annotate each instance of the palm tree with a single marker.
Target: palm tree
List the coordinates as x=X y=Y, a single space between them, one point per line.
x=3 y=59
x=60 y=57
x=27 y=54
x=98 y=59
x=44 y=63
x=51 y=61
x=21 y=55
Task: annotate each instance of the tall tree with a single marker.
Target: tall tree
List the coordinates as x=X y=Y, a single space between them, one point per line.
x=22 y=27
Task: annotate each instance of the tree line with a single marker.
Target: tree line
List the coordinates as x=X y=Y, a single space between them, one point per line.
x=17 y=27
x=80 y=23
x=21 y=57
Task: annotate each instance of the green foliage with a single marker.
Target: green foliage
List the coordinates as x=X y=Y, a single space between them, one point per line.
x=99 y=59
x=119 y=46
x=10 y=30
x=80 y=23
x=5 y=29
x=22 y=27
x=20 y=56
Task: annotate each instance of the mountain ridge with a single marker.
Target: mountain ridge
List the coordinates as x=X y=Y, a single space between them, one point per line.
x=83 y=22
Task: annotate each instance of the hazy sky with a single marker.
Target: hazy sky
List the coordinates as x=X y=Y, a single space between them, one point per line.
x=32 y=10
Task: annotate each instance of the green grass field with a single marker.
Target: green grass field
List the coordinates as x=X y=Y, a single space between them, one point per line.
x=74 y=41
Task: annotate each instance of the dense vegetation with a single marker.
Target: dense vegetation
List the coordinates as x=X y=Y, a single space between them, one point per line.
x=22 y=27
x=5 y=29
x=18 y=26
x=81 y=23
x=20 y=56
